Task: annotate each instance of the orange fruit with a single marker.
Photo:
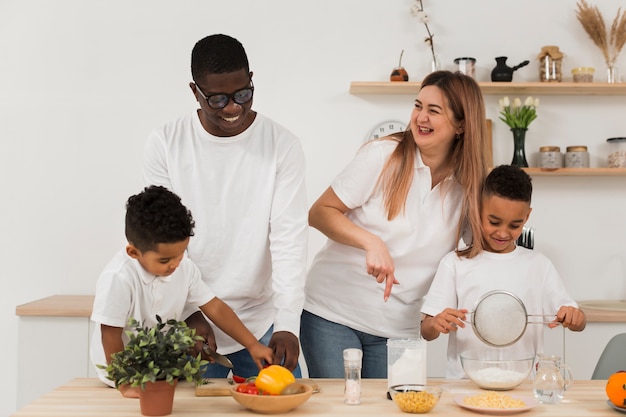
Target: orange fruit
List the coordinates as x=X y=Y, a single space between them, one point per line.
x=616 y=388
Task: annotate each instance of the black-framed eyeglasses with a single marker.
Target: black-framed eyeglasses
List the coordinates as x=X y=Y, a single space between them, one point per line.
x=221 y=100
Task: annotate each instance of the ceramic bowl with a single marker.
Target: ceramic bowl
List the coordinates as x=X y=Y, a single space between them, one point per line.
x=272 y=404
x=415 y=398
x=497 y=369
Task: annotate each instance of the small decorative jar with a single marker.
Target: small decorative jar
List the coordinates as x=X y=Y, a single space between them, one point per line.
x=550 y=60
x=617 y=157
x=577 y=157
x=583 y=74
x=550 y=157
x=466 y=65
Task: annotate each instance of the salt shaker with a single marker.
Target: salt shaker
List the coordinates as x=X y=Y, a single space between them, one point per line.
x=352 y=364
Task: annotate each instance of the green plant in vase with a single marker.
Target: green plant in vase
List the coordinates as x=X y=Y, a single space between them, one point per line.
x=518 y=117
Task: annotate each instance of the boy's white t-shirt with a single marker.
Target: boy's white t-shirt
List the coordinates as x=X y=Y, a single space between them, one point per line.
x=125 y=289
x=461 y=282
x=340 y=290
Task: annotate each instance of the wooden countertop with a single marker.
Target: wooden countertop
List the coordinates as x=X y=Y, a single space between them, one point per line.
x=58 y=306
x=90 y=398
x=80 y=306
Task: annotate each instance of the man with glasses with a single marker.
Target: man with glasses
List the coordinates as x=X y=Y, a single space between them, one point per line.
x=242 y=176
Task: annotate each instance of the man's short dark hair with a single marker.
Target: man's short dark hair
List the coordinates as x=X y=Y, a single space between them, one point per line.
x=217 y=54
x=156 y=215
x=510 y=182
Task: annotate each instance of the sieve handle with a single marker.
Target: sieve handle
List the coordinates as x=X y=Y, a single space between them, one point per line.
x=543 y=321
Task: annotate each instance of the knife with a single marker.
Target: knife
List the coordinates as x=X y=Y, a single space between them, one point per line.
x=216 y=357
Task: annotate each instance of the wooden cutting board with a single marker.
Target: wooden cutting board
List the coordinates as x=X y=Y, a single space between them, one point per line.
x=217 y=387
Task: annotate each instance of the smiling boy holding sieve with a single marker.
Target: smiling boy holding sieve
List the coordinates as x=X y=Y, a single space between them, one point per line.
x=460 y=281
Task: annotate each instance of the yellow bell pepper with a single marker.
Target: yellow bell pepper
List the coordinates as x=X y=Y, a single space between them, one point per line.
x=274 y=379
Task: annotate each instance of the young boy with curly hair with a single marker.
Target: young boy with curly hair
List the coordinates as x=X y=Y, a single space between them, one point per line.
x=153 y=276
x=460 y=281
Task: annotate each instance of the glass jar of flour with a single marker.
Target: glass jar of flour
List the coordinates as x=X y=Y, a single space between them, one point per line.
x=406 y=361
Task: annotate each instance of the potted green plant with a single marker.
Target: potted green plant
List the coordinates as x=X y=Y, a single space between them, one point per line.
x=156 y=358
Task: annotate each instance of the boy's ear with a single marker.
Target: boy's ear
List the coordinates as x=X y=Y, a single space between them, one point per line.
x=132 y=251
x=530 y=209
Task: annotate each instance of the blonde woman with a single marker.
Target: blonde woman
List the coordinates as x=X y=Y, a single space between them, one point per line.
x=390 y=216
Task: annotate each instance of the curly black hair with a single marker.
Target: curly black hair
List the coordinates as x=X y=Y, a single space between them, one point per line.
x=156 y=215
x=510 y=182
x=217 y=54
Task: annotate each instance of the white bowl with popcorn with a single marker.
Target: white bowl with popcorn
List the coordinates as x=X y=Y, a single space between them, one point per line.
x=497 y=369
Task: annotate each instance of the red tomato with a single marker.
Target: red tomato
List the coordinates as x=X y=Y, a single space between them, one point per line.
x=238 y=379
x=248 y=388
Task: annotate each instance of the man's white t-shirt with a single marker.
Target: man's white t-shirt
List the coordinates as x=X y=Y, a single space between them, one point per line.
x=247 y=196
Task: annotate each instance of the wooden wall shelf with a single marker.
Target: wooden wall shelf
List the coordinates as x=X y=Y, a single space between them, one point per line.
x=503 y=88
x=577 y=172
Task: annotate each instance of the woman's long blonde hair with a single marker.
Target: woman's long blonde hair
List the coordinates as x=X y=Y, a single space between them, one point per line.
x=466 y=162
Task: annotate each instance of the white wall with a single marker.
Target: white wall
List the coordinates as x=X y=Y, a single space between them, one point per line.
x=83 y=82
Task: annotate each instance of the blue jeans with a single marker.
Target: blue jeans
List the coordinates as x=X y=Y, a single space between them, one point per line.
x=243 y=365
x=323 y=343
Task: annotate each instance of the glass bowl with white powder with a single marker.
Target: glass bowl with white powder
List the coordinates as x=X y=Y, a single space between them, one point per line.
x=497 y=369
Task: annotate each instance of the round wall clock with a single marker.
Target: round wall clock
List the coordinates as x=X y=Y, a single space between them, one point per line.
x=386 y=128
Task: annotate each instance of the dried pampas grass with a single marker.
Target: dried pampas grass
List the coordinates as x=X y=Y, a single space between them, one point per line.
x=610 y=43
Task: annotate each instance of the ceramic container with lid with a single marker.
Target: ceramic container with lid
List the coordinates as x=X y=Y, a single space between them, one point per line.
x=550 y=157
x=577 y=157
x=617 y=157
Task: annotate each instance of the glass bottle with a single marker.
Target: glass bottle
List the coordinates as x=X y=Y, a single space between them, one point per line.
x=352 y=365
x=551 y=379
x=612 y=74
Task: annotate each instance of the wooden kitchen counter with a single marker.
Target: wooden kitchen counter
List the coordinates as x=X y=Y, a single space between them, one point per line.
x=58 y=306
x=81 y=305
x=86 y=397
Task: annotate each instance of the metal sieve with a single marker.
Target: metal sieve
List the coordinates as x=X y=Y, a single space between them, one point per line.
x=499 y=318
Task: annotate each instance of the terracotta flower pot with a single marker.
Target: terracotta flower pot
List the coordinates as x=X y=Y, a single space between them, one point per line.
x=157 y=399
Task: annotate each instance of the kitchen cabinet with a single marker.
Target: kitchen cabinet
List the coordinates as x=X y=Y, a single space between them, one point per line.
x=522 y=88
x=53 y=344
